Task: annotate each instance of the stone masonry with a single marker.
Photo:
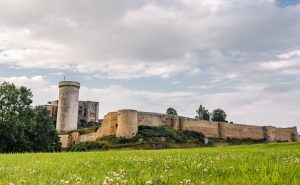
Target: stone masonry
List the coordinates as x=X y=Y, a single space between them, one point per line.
x=124 y=123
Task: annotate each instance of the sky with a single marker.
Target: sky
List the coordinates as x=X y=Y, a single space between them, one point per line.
x=241 y=56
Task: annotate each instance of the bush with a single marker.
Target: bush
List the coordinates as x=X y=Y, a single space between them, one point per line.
x=234 y=141
x=186 y=135
x=86 y=130
x=87 y=146
x=161 y=131
x=118 y=140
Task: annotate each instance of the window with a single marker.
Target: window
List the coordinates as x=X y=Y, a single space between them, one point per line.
x=80 y=110
x=84 y=113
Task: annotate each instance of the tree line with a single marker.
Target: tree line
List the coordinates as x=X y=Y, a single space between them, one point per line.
x=24 y=128
x=203 y=114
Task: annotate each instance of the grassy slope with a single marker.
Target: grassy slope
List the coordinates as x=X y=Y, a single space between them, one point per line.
x=245 y=164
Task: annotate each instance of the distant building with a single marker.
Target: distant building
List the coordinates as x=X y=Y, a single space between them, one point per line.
x=88 y=112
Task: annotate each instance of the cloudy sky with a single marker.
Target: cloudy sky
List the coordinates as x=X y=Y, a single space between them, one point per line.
x=239 y=55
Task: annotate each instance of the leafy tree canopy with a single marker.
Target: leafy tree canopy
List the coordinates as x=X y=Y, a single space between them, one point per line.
x=202 y=113
x=171 y=111
x=23 y=128
x=218 y=115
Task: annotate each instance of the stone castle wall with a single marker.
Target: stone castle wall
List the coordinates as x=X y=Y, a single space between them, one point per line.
x=240 y=131
x=124 y=123
x=208 y=128
x=127 y=123
x=283 y=134
x=109 y=125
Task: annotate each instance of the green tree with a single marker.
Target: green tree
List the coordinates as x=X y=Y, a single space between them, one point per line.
x=171 y=111
x=202 y=113
x=44 y=136
x=14 y=113
x=218 y=115
x=18 y=122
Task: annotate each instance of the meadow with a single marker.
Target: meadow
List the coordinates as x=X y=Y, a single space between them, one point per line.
x=277 y=163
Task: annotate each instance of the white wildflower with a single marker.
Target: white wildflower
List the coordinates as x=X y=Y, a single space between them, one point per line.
x=149 y=182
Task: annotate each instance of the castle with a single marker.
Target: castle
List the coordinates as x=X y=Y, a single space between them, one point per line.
x=88 y=113
x=77 y=114
x=124 y=123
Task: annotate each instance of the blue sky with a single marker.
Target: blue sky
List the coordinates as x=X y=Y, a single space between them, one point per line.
x=285 y=3
x=241 y=56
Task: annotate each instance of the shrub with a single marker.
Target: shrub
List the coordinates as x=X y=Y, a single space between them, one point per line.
x=161 y=131
x=87 y=146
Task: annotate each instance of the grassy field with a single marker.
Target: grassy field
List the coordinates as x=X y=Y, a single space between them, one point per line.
x=244 y=164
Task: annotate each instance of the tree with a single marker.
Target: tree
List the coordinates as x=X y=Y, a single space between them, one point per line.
x=14 y=113
x=44 y=135
x=218 y=115
x=171 y=111
x=18 y=122
x=203 y=114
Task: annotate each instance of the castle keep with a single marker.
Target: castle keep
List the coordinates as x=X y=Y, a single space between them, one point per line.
x=124 y=123
x=68 y=112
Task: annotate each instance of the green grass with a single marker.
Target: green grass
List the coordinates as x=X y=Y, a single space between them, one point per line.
x=244 y=164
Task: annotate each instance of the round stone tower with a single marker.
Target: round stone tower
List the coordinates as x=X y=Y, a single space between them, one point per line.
x=269 y=133
x=67 y=113
x=127 y=123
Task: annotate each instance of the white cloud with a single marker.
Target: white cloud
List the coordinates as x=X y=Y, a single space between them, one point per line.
x=249 y=104
x=213 y=47
x=137 y=39
x=41 y=89
x=175 y=82
x=287 y=62
x=289 y=55
x=22 y=49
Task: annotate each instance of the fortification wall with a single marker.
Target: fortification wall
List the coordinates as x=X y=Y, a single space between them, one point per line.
x=109 y=125
x=240 y=131
x=295 y=135
x=88 y=137
x=150 y=119
x=208 y=128
x=124 y=123
x=68 y=140
x=64 y=139
x=156 y=119
x=283 y=134
x=127 y=123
